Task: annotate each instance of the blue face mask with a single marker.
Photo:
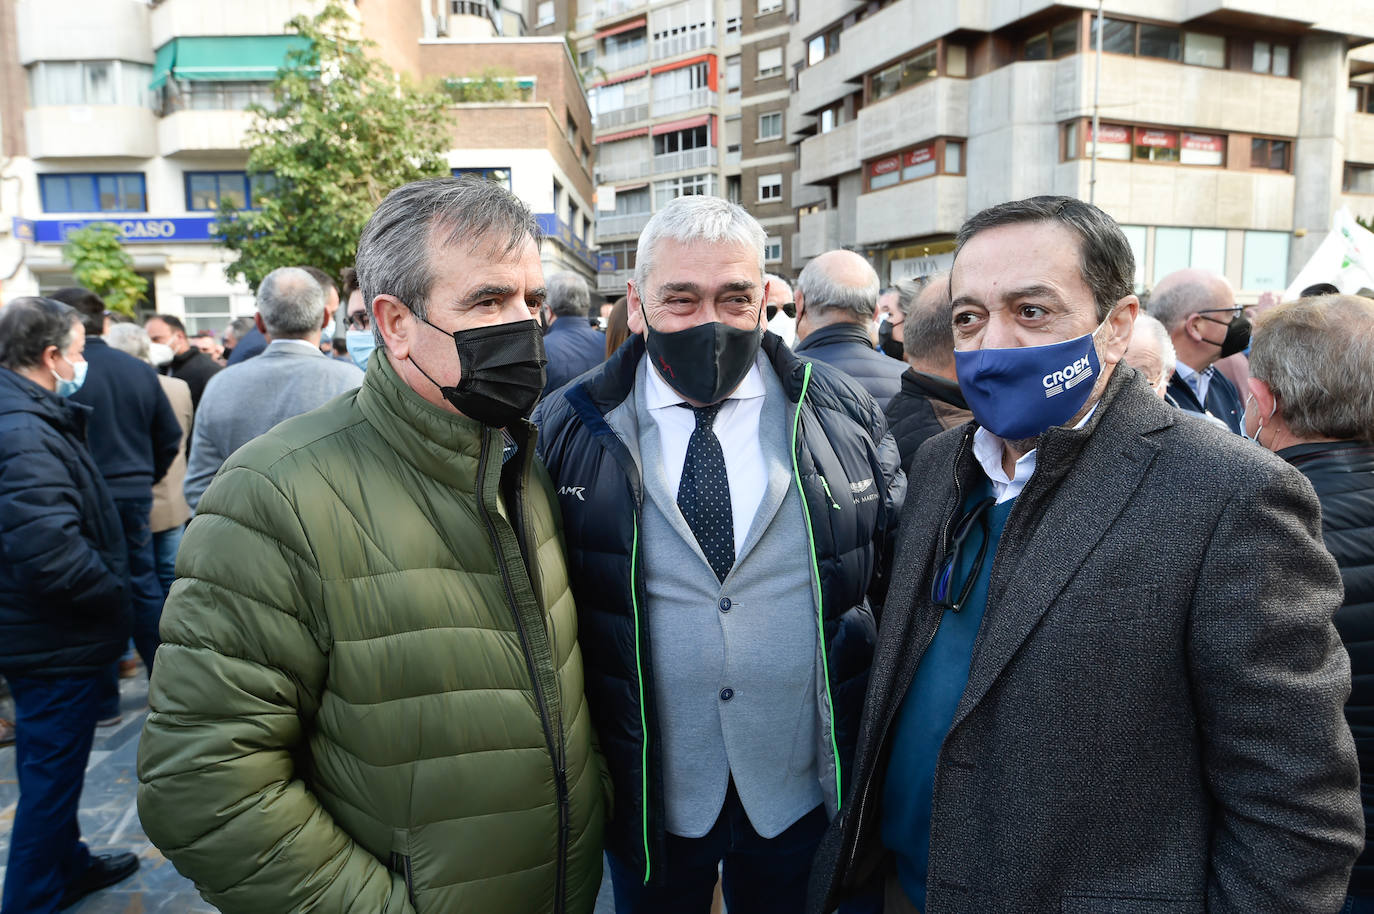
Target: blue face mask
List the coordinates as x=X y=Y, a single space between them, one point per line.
x=1019 y=393
x=65 y=388
x=360 y=345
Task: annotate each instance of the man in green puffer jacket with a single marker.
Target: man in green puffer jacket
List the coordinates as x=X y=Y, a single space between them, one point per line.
x=369 y=695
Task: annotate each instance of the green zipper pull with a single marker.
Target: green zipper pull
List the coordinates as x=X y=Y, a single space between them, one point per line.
x=825 y=485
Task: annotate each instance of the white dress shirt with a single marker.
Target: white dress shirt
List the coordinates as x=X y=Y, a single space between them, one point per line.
x=737 y=427
x=987 y=450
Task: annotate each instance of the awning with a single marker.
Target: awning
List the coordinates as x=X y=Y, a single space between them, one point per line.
x=678 y=65
x=224 y=58
x=638 y=74
x=622 y=135
x=623 y=27
x=687 y=124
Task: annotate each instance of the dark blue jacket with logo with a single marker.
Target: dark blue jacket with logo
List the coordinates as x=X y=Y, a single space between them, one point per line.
x=64 y=592
x=842 y=451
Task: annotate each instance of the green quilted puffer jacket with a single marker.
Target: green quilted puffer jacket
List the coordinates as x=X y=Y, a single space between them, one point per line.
x=369 y=696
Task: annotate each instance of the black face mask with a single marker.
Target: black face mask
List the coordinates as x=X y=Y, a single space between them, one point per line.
x=887 y=343
x=502 y=371
x=1237 y=336
x=704 y=363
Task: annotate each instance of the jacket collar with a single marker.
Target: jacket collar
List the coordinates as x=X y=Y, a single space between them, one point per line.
x=20 y=395
x=447 y=447
x=1332 y=456
x=919 y=383
x=839 y=332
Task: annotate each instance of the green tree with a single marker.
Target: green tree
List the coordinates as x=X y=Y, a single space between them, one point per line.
x=102 y=265
x=342 y=132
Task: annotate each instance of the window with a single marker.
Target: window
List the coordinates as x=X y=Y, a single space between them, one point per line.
x=732 y=189
x=1358 y=179
x=182 y=95
x=770 y=126
x=828 y=118
x=206 y=312
x=903 y=74
x=916 y=163
x=545 y=14
x=1265 y=263
x=90 y=82
x=572 y=132
x=824 y=45
x=770 y=62
x=621 y=253
x=956 y=60
x=679 y=82
x=1268 y=57
x=1055 y=43
x=1113 y=142
x=681 y=140
x=954 y=158
x=1181 y=248
x=205 y=190
x=732 y=73
x=93 y=193
x=498 y=175
x=632 y=202
x=1156 y=145
x=1160 y=41
x=1269 y=154
x=770 y=187
x=1118 y=36
x=1360 y=98
x=687 y=186
x=1146 y=144
x=768 y=6
x=1204 y=50
x=586 y=60
x=1203 y=149
x=772 y=249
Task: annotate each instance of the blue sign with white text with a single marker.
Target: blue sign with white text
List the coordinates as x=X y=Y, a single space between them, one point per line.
x=131 y=231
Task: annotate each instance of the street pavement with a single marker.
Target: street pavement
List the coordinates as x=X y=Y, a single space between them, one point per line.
x=109 y=820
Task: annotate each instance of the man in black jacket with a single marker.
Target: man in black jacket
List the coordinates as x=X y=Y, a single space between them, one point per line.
x=188 y=363
x=930 y=400
x=64 y=609
x=1069 y=711
x=725 y=506
x=1311 y=377
x=134 y=436
x=837 y=293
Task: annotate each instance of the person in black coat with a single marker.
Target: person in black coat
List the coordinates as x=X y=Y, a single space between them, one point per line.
x=134 y=436
x=1311 y=377
x=188 y=363
x=570 y=344
x=837 y=294
x=930 y=400
x=64 y=602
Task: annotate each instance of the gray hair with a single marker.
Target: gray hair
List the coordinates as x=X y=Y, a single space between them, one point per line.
x=928 y=330
x=568 y=295
x=291 y=303
x=393 y=252
x=713 y=220
x=28 y=326
x=1168 y=356
x=241 y=327
x=1317 y=355
x=823 y=293
x=1172 y=302
x=1106 y=262
x=131 y=339
x=776 y=281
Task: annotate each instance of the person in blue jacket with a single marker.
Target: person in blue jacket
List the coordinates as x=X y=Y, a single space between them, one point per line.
x=64 y=602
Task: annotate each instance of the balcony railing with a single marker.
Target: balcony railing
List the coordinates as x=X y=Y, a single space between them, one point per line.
x=705 y=157
x=622 y=116
x=674 y=45
x=608 y=8
x=623 y=60
x=697 y=98
x=614 y=280
x=625 y=224
x=623 y=171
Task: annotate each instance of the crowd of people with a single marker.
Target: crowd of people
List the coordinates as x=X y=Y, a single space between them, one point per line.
x=992 y=591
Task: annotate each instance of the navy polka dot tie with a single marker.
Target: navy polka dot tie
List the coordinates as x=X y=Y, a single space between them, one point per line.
x=703 y=495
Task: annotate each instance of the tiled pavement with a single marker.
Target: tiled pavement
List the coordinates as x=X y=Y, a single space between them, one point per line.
x=109 y=821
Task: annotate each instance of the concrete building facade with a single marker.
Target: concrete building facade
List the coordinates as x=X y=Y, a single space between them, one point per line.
x=1230 y=130
x=132 y=113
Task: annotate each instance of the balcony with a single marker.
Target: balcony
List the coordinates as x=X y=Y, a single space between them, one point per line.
x=676 y=104
x=674 y=45
x=621 y=117
x=80 y=131
x=1359 y=138
x=936 y=107
x=829 y=155
x=610 y=172
x=613 y=281
x=933 y=206
x=688 y=159
x=819 y=232
x=202 y=131
x=83 y=30
x=175 y=18
x=623 y=60
x=621 y=224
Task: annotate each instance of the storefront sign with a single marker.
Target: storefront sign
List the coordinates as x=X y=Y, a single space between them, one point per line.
x=1111 y=133
x=131 y=231
x=553 y=227
x=1160 y=139
x=1203 y=142
x=884 y=166
x=22 y=229
x=920 y=156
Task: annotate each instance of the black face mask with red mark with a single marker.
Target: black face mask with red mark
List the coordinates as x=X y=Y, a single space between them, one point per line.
x=704 y=363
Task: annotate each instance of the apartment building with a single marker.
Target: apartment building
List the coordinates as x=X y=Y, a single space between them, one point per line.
x=1230 y=131
x=131 y=112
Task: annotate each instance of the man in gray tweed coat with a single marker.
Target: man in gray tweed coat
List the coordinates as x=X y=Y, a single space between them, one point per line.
x=1107 y=678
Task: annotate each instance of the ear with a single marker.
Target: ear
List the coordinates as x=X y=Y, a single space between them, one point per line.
x=798 y=302
x=1120 y=324
x=1264 y=396
x=396 y=324
x=634 y=309
x=257 y=322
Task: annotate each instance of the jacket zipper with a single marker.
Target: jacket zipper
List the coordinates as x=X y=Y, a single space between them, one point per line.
x=559 y=772
x=865 y=790
x=643 y=716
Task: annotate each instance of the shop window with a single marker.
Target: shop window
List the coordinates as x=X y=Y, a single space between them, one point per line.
x=916 y=163
x=1182 y=248
x=93 y=193
x=206 y=312
x=1203 y=149
x=206 y=190
x=1156 y=145
x=1265 y=263
x=1146 y=144
x=1112 y=142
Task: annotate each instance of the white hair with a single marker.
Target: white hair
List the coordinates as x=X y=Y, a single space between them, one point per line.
x=713 y=220
x=131 y=339
x=777 y=282
x=1168 y=356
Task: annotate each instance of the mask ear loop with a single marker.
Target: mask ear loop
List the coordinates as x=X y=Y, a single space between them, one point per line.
x=1260 y=426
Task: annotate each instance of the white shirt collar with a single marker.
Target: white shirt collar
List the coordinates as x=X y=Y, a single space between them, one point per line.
x=660 y=394
x=987 y=450
x=1197 y=380
x=306 y=343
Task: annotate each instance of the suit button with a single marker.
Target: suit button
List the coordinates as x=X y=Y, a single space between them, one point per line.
x=725 y=604
x=727 y=694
